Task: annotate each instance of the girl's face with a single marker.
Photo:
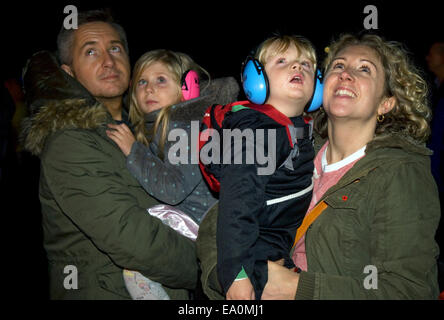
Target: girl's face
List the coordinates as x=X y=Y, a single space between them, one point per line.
x=157 y=88
x=354 y=85
x=291 y=77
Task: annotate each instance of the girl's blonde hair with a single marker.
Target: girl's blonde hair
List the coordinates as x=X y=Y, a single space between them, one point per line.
x=177 y=63
x=411 y=114
x=280 y=43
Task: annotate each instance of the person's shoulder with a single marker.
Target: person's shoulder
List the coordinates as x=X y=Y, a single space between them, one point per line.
x=242 y=116
x=70 y=141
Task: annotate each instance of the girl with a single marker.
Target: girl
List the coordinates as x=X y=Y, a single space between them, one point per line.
x=157 y=105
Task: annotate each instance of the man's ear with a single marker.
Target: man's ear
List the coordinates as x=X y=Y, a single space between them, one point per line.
x=67 y=69
x=387 y=105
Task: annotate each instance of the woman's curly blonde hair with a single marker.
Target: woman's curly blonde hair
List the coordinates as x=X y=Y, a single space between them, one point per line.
x=411 y=114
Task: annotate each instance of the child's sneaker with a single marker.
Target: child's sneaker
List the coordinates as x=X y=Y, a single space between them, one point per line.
x=142 y=288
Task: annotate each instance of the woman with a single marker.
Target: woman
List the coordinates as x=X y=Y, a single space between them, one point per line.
x=374 y=238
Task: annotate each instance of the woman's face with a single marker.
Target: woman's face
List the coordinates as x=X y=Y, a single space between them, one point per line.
x=157 y=88
x=354 y=85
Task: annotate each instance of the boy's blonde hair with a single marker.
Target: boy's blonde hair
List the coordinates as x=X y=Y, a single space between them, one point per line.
x=280 y=43
x=402 y=80
x=177 y=63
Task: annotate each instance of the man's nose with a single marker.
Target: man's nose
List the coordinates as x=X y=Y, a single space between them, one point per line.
x=108 y=60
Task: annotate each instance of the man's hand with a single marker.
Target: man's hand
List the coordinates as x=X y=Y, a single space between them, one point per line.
x=241 y=290
x=122 y=136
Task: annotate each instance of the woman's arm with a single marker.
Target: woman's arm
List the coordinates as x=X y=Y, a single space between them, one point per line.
x=282 y=283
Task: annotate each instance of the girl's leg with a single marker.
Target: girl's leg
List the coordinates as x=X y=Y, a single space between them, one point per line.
x=142 y=288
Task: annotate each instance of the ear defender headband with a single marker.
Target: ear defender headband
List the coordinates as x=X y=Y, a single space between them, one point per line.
x=257 y=89
x=190 y=85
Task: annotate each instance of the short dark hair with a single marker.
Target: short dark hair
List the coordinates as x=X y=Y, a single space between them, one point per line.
x=65 y=38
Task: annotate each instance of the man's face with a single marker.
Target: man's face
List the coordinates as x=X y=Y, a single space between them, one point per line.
x=100 y=62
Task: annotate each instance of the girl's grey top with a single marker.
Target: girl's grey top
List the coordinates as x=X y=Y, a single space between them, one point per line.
x=180 y=184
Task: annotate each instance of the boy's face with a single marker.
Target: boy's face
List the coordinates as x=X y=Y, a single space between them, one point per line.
x=291 y=78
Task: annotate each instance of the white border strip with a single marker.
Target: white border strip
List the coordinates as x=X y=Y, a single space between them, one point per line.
x=291 y=196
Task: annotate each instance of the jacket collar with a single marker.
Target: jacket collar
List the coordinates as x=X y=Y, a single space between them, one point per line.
x=56 y=101
x=379 y=152
x=217 y=91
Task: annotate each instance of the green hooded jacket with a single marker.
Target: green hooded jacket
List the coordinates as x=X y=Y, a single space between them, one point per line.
x=94 y=212
x=375 y=240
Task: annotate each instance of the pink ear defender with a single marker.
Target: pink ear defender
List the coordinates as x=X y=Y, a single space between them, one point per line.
x=190 y=85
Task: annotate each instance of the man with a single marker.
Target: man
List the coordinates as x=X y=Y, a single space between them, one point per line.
x=94 y=214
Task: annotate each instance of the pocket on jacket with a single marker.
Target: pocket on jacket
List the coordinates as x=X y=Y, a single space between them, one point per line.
x=345 y=198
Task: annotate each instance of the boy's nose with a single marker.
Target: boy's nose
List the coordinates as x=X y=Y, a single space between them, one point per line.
x=296 y=66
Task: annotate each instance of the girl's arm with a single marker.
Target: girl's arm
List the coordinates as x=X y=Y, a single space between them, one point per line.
x=167 y=182
x=122 y=136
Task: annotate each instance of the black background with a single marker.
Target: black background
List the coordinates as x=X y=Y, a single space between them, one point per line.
x=219 y=34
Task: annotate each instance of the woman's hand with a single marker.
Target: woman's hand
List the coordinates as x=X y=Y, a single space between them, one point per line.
x=122 y=136
x=241 y=290
x=282 y=282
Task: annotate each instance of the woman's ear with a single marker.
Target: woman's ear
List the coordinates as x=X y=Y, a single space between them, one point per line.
x=386 y=105
x=67 y=69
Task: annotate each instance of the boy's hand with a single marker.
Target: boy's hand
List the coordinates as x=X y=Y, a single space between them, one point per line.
x=122 y=136
x=241 y=290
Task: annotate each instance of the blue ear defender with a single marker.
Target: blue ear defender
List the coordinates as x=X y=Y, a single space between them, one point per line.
x=255 y=81
x=316 y=100
x=256 y=88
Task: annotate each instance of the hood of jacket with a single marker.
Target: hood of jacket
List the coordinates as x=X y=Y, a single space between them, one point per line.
x=56 y=101
x=384 y=150
x=218 y=91
x=387 y=140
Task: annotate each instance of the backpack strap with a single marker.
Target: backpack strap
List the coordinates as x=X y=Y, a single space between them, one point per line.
x=277 y=116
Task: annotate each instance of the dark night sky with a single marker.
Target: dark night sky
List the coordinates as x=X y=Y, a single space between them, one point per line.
x=218 y=34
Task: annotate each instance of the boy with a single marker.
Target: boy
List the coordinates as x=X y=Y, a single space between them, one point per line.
x=259 y=214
